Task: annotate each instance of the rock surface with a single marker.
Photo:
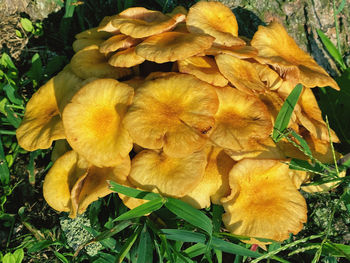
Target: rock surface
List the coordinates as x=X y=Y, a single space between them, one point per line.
x=301 y=19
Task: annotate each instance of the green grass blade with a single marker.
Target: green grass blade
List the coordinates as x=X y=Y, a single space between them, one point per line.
x=231 y=248
x=217 y=217
x=4 y=170
x=333 y=51
x=285 y=113
x=196 y=250
x=184 y=235
x=111 y=232
x=340 y=7
x=190 y=214
x=145 y=247
x=302 y=142
x=142 y=210
x=132 y=192
x=129 y=243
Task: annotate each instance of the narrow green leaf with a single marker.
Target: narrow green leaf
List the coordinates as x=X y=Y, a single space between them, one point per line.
x=190 y=214
x=132 y=192
x=218 y=254
x=303 y=165
x=142 y=210
x=41 y=245
x=333 y=51
x=346 y=199
x=27 y=24
x=61 y=257
x=55 y=64
x=340 y=7
x=336 y=250
x=302 y=142
x=128 y=244
x=30 y=167
x=184 y=235
x=145 y=247
x=233 y=248
x=4 y=170
x=36 y=70
x=285 y=113
x=111 y=232
x=217 y=217
x=196 y=250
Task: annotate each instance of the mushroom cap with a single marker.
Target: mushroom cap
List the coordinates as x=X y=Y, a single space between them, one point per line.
x=174 y=112
x=259 y=149
x=66 y=84
x=116 y=42
x=203 y=68
x=126 y=58
x=95 y=183
x=308 y=112
x=140 y=22
x=214 y=19
x=264 y=202
x=236 y=51
x=242 y=74
x=41 y=124
x=60 y=180
x=214 y=184
x=82 y=43
x=92 y=33
x=279 y=50
x=154 y=171
x=93 y=122
x=72 y=184
x=172 y=46
x=107 y=26
x=310 y=117
x=89 y=62
x=238 y=125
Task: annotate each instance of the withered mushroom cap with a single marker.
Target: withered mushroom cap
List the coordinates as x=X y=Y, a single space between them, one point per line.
x=89 y=62
x=172 y=46
x=238 y=125
x=174 y=112
x=93 y=122
x=203 y=68
x=139 y=22
x=154 y=171
x=264 y=202
x=214 y=19
x=278 y=49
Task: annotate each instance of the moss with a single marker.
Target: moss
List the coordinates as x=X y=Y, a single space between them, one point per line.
x=77 y=235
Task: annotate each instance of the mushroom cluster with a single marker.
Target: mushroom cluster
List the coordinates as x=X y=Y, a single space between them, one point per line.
x=179 y=104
